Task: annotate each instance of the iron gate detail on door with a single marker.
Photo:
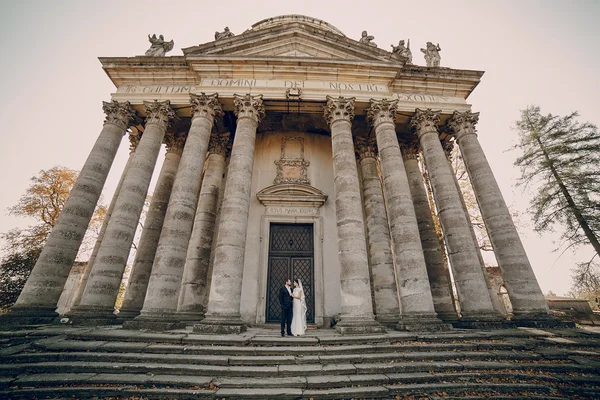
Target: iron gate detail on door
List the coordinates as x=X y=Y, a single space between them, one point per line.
x=291 y=255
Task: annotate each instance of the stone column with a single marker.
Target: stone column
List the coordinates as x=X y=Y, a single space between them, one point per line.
x=146 y=250
x=416 y=302
x=134 y=139
x=160 y=305
x=439 y=279
x=97 y=303
x=195 y=274
x=223 y=309
x=37 y=302
x=387 y=309
x=524 y=291
x=476 y=306
x=357 y=307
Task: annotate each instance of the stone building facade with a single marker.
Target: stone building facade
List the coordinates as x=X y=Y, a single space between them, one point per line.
x=292 y=151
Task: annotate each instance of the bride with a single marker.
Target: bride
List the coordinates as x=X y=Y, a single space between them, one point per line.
x=299 y=315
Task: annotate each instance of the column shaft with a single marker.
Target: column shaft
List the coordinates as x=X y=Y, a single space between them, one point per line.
x=357 y=307
x=160 y=305
x=416 y=301
x=432 y=252
x=40 y=295
x=223 y=309
x=88 y=268
x=524 y=291
x=97 y=302
x=144 y=257
x=387 y=309
x=470 y=282
x=195 y=275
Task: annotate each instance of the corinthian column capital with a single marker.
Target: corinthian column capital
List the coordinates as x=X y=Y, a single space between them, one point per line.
x=206 y=106
x=159 y=112
x=248 y=106
x=462 y=124
x=219 y=143
x=365 y=148
x=175 y=142
x=382 y=111
x=339 y=109
x=410 y=150
x=119 y=114
x=134 y=139
x=425 y=121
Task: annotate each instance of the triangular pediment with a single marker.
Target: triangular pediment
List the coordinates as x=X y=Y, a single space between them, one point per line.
x=292 y=40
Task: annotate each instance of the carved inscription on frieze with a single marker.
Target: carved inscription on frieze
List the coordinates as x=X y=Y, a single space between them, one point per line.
x=291 y=210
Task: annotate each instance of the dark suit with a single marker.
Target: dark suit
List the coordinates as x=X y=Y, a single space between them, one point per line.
x=286 y=302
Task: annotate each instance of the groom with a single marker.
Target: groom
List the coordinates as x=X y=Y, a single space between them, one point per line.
x=285 y=299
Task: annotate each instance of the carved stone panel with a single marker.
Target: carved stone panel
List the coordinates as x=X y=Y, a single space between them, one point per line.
x=291 y=166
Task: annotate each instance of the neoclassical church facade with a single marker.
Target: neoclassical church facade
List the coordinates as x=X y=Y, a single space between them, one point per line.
x=292 y=151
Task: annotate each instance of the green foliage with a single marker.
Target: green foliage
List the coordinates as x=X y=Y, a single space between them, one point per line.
x=14 y=271
x=559 y=162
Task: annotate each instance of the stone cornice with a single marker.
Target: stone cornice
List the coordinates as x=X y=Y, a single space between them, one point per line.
x=292 y=195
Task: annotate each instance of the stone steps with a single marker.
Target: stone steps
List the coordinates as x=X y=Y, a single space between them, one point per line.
x=108 y=362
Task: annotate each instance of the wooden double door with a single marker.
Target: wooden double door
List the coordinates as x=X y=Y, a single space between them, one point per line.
x=291 y=256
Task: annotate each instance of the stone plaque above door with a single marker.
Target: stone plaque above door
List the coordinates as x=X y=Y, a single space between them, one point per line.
x=291 y=166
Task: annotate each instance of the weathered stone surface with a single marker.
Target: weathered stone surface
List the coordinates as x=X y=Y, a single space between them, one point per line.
x=526 y=296
x=387 y=309
x=162 y=296
x=100 y=293
x=144 y=257
x=223 y=309
x=439 y=278
x=44 y=286
x=357 y=309
x=468 y=276
x=413 y=284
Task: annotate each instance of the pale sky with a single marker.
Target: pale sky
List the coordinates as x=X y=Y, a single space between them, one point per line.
x=52 y=85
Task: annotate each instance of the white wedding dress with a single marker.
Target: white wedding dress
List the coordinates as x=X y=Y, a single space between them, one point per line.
x=299 y=316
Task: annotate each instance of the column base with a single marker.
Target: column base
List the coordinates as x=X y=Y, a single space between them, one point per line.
x=358 y=325
x=92 y=316
x=159 y=321
x=221 y=325
x=448 y=318
x=483 y=321
x=25 y=316
x=190 y=317
x=388 y=320
x=421 y=323
x=540 y=320
x=127 y=314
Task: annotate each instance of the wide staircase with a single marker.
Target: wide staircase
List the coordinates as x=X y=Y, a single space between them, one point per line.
x=109 y=362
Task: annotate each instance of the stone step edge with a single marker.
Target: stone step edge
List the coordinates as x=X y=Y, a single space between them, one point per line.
x=288 y=370
x=285 y=393
x=267 y=360
x=322 y=381
x=115 y=346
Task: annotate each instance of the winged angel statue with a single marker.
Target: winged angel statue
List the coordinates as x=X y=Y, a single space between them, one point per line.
x=159 y=47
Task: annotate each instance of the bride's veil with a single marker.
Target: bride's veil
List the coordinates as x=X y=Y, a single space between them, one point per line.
x=303 y=303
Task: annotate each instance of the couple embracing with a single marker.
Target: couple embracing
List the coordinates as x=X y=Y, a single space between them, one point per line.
x=293 y=308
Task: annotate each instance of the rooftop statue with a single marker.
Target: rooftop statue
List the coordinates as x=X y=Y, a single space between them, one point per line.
x=159 y=47
x=400 y=50
x=367 y=39
x=224 y=35
x=432 y=54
